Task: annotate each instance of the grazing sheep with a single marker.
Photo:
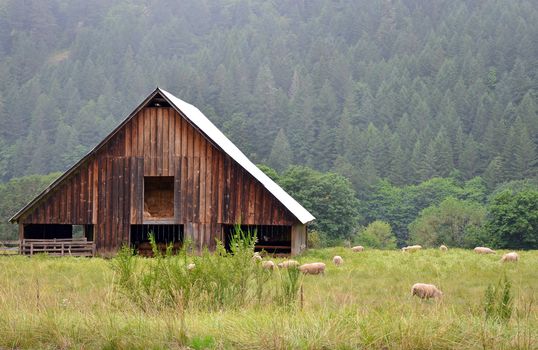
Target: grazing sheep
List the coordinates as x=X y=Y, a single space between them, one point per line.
x=483 y=250
x=411 y=248
x=268 y=265
x=257 y=257
x=358 y=248
x=288 y=263
x=426 y=291
x=191 y=266
x=337 y=260
x=312 y=268
x=513 y=256
x=443 y=248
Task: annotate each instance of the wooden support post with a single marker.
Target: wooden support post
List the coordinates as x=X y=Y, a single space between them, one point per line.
x=298 y=238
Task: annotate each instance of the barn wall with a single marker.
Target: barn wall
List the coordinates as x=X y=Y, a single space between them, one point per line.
x=210 y=188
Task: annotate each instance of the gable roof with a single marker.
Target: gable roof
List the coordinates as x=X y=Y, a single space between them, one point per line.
x=213 y=134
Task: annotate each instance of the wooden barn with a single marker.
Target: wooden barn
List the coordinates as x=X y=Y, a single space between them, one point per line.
x=165 y=169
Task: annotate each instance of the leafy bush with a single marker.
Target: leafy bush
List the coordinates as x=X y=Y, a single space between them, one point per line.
x=313 y=239
x=513 y=219
x=377 y=234
x=450 y=222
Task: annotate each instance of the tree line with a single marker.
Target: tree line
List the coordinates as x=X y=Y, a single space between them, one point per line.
x=399 y=90
x=406 y=100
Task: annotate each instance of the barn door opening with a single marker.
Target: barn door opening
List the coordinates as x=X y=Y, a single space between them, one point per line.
x=48 y=231
x=158 y=198
x=164 y=235
x=274 y=239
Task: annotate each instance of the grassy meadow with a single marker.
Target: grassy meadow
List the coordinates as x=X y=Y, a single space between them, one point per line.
x=366 y=303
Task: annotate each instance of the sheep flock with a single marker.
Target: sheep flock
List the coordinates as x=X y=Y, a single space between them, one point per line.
x=419 y=289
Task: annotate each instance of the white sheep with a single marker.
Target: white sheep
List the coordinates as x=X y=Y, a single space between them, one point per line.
x=191 y=266
x=426 y=291
x=337 y=260
x=313 y=268
x=358 y=248
x=411 y=248
x=288 y=263
x=483 y=250
x=443 y=248
x=513 y=256
x=268 y=265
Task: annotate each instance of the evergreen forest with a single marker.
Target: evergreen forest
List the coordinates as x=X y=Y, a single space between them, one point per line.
x=422 y=114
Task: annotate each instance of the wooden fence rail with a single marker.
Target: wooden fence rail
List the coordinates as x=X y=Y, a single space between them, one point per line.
x=9 y=247
x=58 y=247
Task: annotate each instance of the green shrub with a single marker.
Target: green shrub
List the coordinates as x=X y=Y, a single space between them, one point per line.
x=313 y=239
x=377 y=234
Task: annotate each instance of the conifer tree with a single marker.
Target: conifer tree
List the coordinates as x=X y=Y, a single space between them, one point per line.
x=281 y=155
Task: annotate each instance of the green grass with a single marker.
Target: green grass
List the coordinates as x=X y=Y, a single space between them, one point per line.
x=366 y=303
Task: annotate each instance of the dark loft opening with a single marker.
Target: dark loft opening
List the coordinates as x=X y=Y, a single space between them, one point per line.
x=164 y=235
x=271 y=238
x=158 y=101
x=158 y=197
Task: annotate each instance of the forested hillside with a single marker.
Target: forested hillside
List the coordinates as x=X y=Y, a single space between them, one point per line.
x=397 y=90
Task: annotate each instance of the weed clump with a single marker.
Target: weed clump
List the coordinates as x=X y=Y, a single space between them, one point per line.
x=498 y=301
x=220 y=280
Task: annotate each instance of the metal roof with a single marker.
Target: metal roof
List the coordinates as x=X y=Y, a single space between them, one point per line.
x=203 y=124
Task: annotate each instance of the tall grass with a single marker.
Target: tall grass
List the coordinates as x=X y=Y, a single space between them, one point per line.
x=220 y=280
x=366 y=303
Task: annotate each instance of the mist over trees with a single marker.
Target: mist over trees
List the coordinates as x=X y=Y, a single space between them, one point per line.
x=411 y=101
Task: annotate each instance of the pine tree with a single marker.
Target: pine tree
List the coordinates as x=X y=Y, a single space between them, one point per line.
x=397 y=165
x=281 y=155
x=525 y=158
x=493 y=174
x=443 y=162
x=469 y=158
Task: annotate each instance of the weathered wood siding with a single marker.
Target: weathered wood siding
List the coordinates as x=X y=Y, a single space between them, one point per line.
x=210 y=188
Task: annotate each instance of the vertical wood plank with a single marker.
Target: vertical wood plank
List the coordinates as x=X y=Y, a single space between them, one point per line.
x=95 y=191
x=165 y=154
x=184 y=138
x=176 y=138
x=141 y=133
x=159 y=141
x=69 y=204
x=126 y=217
x=202 y=187
x=190 y=188
x=99 y=238
x=120 y=212
x=134 y=141
x=147 y=141
x=127 y=138
x=233 y=192
x=196 y=190
x=132 y=191
x=109 y=207
x=226 y=191
x=217 y=187
x=172 y=154
x=177 y=191
x=184 y=189
x=140 y=189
